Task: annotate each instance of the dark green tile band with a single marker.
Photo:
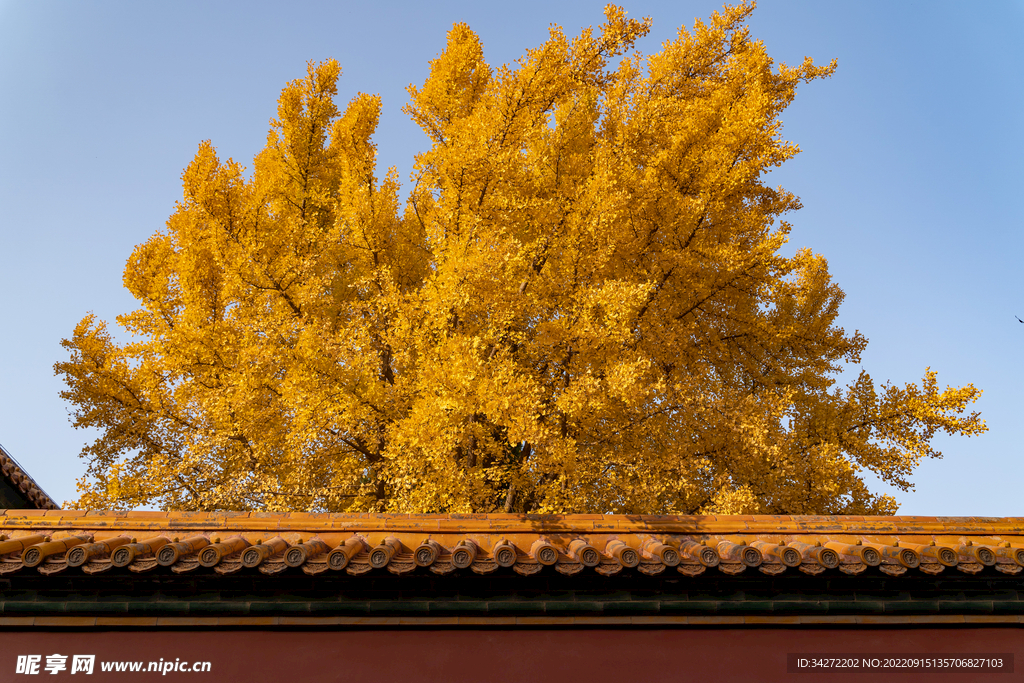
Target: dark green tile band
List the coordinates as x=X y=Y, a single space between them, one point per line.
x=505 y=594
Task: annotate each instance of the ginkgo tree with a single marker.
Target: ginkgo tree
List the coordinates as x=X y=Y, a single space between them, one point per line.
x=581 y=305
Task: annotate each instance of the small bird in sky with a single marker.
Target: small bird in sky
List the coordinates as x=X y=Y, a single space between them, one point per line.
x=1018 y=319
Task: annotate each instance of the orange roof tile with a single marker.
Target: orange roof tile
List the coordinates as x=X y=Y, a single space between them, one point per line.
x=226 y=542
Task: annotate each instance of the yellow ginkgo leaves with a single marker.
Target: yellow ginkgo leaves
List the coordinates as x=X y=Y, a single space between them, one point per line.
x=581 y=306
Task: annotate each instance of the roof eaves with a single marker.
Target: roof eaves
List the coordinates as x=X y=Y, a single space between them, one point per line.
x=226 y=542
x=18 y=479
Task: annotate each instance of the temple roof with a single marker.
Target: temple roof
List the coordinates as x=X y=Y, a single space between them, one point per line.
x=57 y=541
x=18 y=489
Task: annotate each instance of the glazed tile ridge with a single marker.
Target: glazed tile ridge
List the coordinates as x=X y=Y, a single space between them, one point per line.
x=56 y=519
x=18 y=478
x=94 y=542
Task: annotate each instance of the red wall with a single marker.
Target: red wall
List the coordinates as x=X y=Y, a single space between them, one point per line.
x=492 y=656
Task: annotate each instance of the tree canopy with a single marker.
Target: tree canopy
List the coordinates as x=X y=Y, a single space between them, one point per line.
x=582 y=305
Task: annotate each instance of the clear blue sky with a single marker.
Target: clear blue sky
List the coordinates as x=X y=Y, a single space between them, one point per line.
x=910 y=174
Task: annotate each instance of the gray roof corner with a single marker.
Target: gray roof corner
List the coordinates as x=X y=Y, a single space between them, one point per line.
x=18 y=490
